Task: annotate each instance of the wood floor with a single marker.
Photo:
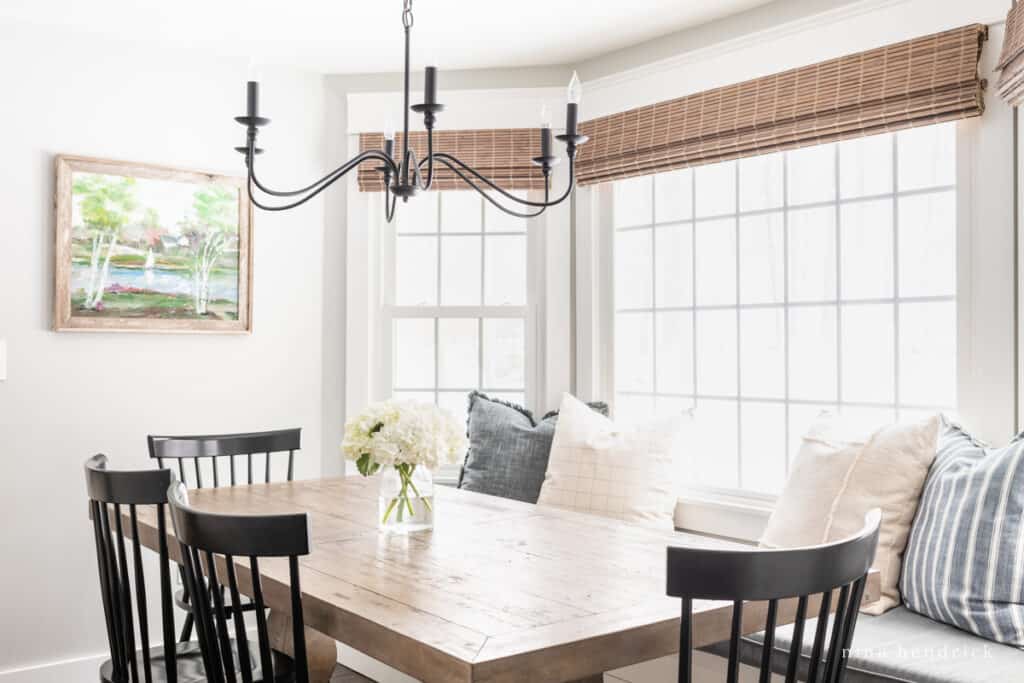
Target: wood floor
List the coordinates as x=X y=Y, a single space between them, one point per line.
x=345 y=675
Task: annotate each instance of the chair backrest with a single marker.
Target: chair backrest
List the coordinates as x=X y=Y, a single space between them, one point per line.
x=216 y=447
x=110 y=492
x=808 y=574
x=213 y=544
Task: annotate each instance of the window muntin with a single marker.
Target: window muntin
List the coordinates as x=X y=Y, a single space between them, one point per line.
x=458 y=321
x=764 y=290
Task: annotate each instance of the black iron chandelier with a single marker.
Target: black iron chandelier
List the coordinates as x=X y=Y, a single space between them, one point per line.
x=407 y=176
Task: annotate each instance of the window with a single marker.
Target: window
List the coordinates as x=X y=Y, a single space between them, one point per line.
x=458 y=307
x=765 y=290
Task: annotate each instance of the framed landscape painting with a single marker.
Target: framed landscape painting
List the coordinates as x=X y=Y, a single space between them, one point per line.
x=148 y=248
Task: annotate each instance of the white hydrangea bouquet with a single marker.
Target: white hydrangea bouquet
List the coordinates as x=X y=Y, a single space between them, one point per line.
x=408 y=439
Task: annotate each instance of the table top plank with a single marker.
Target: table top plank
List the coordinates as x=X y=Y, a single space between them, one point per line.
x=498 y=591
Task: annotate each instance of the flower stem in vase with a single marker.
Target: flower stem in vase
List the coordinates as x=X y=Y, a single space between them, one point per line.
x=390 y=508
x=415 y=490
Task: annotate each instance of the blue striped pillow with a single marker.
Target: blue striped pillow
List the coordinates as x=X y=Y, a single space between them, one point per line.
x=964 y=563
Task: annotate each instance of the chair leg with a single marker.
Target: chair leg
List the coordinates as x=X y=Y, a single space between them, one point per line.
x=186 y=629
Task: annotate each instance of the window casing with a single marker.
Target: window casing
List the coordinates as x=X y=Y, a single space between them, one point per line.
x=763 y=291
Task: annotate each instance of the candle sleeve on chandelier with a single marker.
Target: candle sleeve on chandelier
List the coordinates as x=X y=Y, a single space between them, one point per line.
x=430 y=85
x=545 y=131
x=252 y=99
x=574 y=93
x=545 y=142
x=571 y=115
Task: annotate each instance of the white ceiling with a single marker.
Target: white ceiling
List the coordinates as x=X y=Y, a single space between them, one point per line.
x=364 y=36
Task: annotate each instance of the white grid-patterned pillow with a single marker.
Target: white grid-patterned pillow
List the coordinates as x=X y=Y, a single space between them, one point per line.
x=623 y=472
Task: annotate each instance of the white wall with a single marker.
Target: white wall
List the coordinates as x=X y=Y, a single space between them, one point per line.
x=70 y=395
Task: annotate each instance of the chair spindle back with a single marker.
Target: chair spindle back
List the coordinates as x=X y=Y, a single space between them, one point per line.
x=226 y=548
x=111 y=495
x=191 y=451
x=811 y=575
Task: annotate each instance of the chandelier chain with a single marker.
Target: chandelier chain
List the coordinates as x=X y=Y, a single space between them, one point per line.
x=407 y=19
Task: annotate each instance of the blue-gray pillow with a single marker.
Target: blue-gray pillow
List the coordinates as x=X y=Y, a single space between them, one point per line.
x=964 y=563
x=508 y=449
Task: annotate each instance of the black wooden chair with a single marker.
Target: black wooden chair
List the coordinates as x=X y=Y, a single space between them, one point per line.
x=210 y=452
x=191 y=452
x=111 y=493
x=774 y=575
x=212 y=544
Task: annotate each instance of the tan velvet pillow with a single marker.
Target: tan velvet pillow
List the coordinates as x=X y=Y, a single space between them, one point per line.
x=840 y=474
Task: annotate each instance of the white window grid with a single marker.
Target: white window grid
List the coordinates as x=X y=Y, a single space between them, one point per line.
x=899 y=408
x=455 y=398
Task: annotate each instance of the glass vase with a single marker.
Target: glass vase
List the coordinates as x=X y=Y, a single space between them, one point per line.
x=406 y=499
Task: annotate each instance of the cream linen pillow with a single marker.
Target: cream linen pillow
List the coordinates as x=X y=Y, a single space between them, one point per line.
x=816 y=477
x=843 y=471
x=624 y=472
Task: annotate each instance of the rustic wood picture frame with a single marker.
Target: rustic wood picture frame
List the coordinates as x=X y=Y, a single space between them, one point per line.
x=65 y=317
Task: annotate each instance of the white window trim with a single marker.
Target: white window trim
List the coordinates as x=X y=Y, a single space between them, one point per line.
x=985 y=308
x=370 y=313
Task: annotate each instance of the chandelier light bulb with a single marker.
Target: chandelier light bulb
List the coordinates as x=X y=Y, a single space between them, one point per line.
x=545 y=116
x=253 y=70
x=575 y=89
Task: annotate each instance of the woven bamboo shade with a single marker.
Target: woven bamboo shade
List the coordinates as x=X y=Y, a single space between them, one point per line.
x=502 y=155
x=1011 y=59
x=921 y=81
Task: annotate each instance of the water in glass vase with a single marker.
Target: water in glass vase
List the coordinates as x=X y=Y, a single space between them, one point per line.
x=406 y=499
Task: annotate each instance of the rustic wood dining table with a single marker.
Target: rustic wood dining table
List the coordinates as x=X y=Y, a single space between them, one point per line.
x=497 y=591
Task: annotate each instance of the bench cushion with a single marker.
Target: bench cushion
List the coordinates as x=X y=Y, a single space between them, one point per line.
x=901 y=646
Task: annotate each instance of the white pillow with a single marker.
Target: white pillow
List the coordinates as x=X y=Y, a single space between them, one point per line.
x=840 y=474
x=816 y=477
x=624 y=472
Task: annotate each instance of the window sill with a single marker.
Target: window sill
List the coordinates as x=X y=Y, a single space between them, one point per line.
x=729 y=516
x=446 y=479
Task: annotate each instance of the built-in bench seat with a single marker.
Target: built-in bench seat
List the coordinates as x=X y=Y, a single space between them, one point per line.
x=902 y=646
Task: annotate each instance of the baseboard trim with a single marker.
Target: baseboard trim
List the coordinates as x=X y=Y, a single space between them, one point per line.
x=77 y=669
x=84 y=668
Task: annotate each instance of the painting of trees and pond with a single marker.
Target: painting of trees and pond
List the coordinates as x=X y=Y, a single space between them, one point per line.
x=148 y=248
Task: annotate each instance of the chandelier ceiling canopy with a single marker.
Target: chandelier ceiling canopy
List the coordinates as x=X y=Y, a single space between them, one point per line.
x=404 y=175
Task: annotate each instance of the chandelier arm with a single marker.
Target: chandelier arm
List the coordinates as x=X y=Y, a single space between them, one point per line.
x=430 y=161
x=329 y=178
x=410 y=161
x=283 y=207
x=491 y=199
x=448 y=159
x=389 y=206
x=348 y=166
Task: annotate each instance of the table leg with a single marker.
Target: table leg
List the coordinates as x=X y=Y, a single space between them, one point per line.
x=321 y=650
